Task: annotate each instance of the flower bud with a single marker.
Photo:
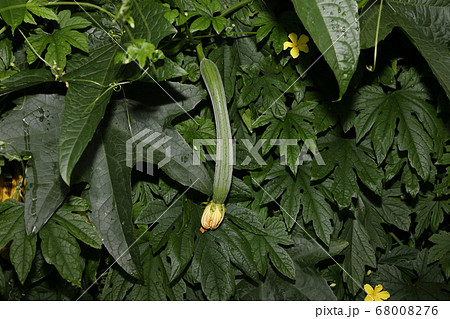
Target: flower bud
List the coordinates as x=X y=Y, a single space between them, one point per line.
x=213 y=215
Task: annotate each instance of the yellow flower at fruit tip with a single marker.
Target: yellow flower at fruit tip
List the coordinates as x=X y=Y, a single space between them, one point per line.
x=297 y=45
x=375 y=294
x=212 y=216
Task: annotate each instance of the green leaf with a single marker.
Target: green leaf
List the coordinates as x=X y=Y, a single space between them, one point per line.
x=45 y=12
x=155 y=279
x=315 y=208
x=295 y=192
x=166 y=217
x=180 y=247
x=110 y=196
x=295 y=126
x=277 y=27
x=85 y=102
x=358 y=254
x=239 y=191
x=117 y=285
x=372 y=221
x=207 y=7
x=418 y=125
x=244 y=218
x=139 y=50
x=62 y=250
x=58 y=44
x=12 y=228
x=198 y=128
x=238 y=247
x=391 y=209
x=229 y=56
x=13 y=17
x=348 y=161
x=429 y=283
x=306 y=253
x=23 y=249
x=430 y=213
x=168 y=69
x=270 y=83
x=37 y=137
x=325 y=116
x=157 y=117
x=219 y=24
x=334 y=27
x=423 y=22
x=269 y=244
x=411 y=181
x=211 y=267
x=150 y=21
x=11 y=219
x=441 y=251
x=400 y=256
x=6 y=54
x=78 y=226
x=274 y=287
x=200 y=24
x=442 y=247
x=93 y=259
x=309 y=283
x=25 y=79
x=66 y=21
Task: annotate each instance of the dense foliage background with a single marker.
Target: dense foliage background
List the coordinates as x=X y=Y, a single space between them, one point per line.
x=78 y=79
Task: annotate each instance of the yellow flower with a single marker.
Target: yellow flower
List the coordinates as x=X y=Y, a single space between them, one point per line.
x=296 y=44
x=375 y=294
x=213 y=216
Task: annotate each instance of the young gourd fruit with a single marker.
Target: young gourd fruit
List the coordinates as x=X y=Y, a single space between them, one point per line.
x=215 y=211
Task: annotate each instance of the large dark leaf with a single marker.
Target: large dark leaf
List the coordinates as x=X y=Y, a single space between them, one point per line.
x=155 y=116
x=425 y=22
x=105 y=169
x=32 y=129
x=89 y=92
x=334 y=27
x=25 y=79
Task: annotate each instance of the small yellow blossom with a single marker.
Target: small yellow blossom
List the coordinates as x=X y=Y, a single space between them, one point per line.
x=212 y=216
x=296 y=44
x=375 y=294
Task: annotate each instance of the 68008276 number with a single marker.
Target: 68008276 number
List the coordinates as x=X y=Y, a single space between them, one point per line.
x=406 y=310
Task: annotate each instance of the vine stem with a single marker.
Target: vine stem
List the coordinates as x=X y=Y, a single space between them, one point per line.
x=376 y=38
x=217 y=35
x=396 y=238
x=65 y=3
x=33 y=49
x=235 y=8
